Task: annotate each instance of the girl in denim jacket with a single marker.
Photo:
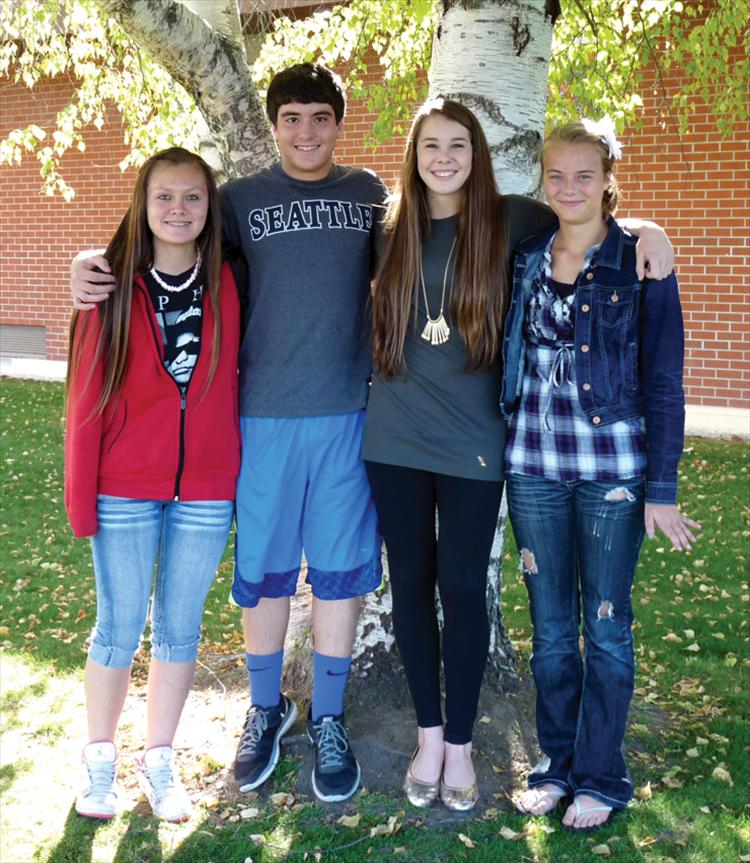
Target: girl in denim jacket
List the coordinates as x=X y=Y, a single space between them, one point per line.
x=592 y=387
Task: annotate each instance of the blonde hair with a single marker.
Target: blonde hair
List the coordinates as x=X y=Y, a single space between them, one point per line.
x=576 y=133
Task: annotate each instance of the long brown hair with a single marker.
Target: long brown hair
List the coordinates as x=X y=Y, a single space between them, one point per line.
x=130 y=253
x=480 y=273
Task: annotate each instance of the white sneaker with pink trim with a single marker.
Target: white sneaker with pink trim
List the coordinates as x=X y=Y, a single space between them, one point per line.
x=97 y=794
x=161 y=784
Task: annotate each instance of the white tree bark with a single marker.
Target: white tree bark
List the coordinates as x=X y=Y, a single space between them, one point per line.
x=493 y=56
x=212 y=67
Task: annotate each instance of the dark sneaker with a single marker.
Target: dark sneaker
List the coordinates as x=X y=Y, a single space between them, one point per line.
x=258 y=749
x=335 y=776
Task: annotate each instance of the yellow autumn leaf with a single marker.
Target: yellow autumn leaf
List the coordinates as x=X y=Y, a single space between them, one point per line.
x=507 y=833
x=246 y=814
x=689 y=633
x=462 y=837
x=601 y=850
x=282 y=799
x=485 y=720
x=694 y=647
x=671 y=782
x=722 y=774
x=692 y=753
x=349 y=820
x=672 y=637
x=644 y=792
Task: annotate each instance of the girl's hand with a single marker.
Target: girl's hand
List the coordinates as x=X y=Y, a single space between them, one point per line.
x=672 y=523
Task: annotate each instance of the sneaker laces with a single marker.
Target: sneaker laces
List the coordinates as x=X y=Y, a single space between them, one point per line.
x=333 y=743
x=101 y=777
x=255 y=724
x=161 y=777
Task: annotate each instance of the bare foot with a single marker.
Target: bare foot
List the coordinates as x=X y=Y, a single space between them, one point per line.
x=540 y=800
x=458 y=770
x=428 y=762
x=586 y=813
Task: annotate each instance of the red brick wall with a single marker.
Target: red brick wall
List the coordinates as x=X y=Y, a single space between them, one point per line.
x=40 y=234
x=697 y=190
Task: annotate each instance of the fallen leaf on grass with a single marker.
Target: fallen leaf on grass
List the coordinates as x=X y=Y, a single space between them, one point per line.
x=692 y=753
x=601 y=850
x=644 y=792
x=671 y=782
x=282 y=799
x=462 y=837
x=349 y=820
x=722 y=774
x=389 y=829
x=507 y=833
x=672 y=638
x=246 y=814
x=694 y=647
x=485 y=720
x=745 y=858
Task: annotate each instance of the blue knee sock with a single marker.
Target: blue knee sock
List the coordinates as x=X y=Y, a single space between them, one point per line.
x=264 y=678
x=330 y=674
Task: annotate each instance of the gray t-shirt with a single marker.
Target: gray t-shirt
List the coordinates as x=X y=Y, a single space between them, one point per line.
x=309 y=246
x=438 y=417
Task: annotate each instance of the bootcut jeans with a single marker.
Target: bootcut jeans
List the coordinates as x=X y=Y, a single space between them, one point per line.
x=579 y=544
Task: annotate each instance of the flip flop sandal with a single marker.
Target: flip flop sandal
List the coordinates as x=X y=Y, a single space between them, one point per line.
x=558 y=795
x=586 y=811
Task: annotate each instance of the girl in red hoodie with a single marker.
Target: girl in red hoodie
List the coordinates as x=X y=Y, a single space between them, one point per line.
x=152 y=453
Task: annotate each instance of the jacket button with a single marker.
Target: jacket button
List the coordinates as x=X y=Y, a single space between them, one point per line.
x=589 y=276
x=596 y=420
x=585 y=307
x=585 y=349
x=586 y=387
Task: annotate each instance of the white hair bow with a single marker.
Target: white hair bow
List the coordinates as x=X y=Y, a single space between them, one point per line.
x=605 y=129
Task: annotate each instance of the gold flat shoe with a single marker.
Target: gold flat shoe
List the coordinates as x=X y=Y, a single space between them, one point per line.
x=419 y=793
x=459 y=799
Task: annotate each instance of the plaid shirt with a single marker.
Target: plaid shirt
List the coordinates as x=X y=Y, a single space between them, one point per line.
x=549 y=435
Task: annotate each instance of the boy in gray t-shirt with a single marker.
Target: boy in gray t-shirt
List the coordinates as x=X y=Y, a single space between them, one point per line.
x=305 y=227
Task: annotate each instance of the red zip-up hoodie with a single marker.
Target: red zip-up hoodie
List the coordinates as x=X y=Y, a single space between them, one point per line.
x=147 y=443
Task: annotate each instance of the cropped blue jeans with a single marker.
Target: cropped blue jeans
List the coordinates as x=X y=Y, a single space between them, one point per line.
x=185 y=539
x=579 y=544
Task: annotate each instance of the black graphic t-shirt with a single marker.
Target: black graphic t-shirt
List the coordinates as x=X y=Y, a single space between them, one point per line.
x=180 y=316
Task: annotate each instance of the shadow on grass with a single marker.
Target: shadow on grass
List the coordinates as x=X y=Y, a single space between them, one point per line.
x=77 y=842
x=140 y=841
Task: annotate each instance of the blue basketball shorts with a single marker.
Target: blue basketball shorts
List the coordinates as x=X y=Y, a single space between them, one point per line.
x=302 y=488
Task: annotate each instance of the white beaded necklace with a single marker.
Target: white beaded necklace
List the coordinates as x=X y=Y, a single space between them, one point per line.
x=174 y=289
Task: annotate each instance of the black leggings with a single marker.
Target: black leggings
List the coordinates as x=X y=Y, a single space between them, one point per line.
x=457 y=560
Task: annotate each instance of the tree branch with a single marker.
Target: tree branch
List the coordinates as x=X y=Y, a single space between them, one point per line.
x=213 y=70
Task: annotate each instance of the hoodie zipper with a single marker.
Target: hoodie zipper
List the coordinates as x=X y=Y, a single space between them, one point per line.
x=183 y=391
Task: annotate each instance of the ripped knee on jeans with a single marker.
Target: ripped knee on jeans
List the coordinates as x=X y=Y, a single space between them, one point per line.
x=527 y=564
x=606 y=610
x=619 y=493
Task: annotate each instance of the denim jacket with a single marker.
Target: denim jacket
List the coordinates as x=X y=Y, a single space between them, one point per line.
x=628 y=349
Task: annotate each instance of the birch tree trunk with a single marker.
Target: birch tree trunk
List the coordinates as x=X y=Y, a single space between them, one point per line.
x=210 y=63
x=493 y=56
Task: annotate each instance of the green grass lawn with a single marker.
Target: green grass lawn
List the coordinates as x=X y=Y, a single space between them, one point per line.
x=688 y=740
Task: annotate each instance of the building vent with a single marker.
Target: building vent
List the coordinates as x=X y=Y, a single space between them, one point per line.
x=21 y=341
